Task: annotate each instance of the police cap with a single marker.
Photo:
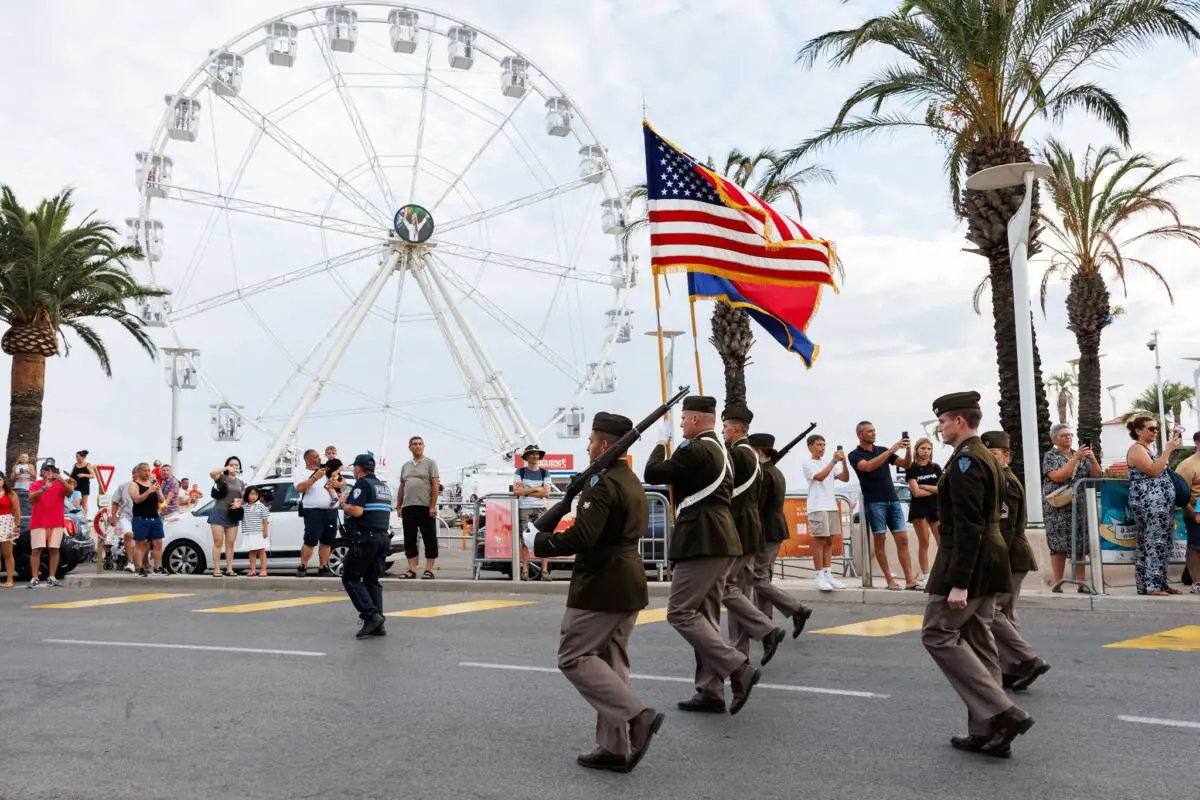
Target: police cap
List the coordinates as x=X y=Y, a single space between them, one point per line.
x=612 y=424
x=996 y=440
x=365 y=460
x=956 y=401
x=700 y=403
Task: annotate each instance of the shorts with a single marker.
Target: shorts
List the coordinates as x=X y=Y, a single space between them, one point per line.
x=823 y=524
x=525 y=516
x=147 y=529
x=125 y=525
x=320 y=526
x=1193 y=529
x=921 y=512
x=417 y=520
x=8 y=529
x=41 y=538
x=886 y=516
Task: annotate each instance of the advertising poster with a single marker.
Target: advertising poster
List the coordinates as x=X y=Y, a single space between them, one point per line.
x=1118 y=529
x=499 y=528
x=799 y=542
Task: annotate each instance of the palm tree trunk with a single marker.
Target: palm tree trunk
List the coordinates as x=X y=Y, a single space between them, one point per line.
x=1062 y=408
x=1087 y=315
x=988 y=214
x=25 y=412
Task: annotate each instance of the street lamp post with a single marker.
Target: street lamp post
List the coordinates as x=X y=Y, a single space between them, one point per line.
x=1002 y=177
x=670 y=336
x=181 y=374
x=1112 y=396
x=1196 y=388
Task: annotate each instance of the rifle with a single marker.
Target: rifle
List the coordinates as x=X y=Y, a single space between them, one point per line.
x=549 y=519
x=781 y=453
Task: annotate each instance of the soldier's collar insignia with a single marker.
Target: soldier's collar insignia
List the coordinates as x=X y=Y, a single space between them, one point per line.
x=595 y=479
x=964 y=463
x=586 y=504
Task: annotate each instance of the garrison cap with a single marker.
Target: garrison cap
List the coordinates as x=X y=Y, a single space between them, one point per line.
x=700 y=403
x=738 y=412
x=997 y=440
x=764 y=441
x=612 y=424
x=956 y=401
x=365 y=460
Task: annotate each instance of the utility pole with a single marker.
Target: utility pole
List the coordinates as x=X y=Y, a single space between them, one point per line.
x=182 y=366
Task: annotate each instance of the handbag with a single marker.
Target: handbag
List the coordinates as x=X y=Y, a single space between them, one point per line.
x=236 y=514
x=219 y=490
x=1183 y=491
x=1061 y=497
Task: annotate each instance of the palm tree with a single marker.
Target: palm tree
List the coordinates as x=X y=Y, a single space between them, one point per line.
x=54 y=277
x=1175 y=397
x=1098 y=202
x=1064 y=385
x=976 y=74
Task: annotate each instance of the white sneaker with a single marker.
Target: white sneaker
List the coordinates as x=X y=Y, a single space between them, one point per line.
x=922 y=579
x=823 y=584
x=129 y=567
x=836 y=584
x=33 y=584
x=53 y=581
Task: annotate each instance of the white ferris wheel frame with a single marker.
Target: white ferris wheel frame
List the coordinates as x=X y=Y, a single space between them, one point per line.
x=488 y=391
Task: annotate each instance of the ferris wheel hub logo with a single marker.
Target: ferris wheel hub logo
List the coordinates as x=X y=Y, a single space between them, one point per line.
x=413 y=224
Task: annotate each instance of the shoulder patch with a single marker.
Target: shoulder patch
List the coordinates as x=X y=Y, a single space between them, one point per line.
x=964 y=463
x=595 y=479
x=357 y=492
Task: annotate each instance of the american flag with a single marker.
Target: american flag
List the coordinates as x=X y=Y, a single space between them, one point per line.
x=700 y=222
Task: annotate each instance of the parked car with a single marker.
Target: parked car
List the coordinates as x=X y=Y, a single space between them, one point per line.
x=76 y=548
x=653 y=543
x=187 y=548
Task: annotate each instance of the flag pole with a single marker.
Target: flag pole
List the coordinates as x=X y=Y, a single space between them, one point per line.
x=658 y=331
x=695 y=345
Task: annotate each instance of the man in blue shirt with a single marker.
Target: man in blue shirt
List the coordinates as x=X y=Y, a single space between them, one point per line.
x=880 y=505
x=368 y=510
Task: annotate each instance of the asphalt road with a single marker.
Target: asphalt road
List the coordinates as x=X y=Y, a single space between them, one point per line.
x=405 y=716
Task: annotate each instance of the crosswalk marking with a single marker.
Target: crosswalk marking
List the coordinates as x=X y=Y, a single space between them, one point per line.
x=1182 y=640
x=884 y=626
x=271 y=605
x=651 y=615
x=113 y=601
x=459 y=608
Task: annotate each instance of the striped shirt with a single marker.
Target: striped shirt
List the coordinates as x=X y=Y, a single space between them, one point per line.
x=256 y=515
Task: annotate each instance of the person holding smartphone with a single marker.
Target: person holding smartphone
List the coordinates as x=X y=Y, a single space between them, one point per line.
x=881 y=505
x=225 y=515
x=1152 y=500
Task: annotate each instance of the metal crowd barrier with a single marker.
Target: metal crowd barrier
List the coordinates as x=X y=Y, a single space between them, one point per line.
x=848 y=560
x=1095 y=558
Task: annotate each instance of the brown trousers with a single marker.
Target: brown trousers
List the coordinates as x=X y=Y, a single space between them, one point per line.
x=1010 y=644
x=746 y=621
x=593 y=654
x=693 y=609
x=768 y=596
x=961 y=644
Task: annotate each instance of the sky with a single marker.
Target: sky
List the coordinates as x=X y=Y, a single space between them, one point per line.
x=712 y=76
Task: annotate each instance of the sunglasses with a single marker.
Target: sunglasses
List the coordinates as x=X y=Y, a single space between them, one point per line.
x=1152 y=428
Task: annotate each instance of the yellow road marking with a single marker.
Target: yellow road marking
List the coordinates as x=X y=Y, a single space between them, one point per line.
x=459 y=608
x=1183 y=640
x=113 y=601
x=651 y=615
x=884 y=626
x=271 y=605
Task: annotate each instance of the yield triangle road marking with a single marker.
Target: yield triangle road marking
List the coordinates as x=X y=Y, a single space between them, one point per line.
x=112 y=601
x=272 y=605
x=458 y=608
x=1180 y=640
x=884 y=626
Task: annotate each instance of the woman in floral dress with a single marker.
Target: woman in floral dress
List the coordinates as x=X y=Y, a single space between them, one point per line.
x=1063 y=466
x=1152 y=499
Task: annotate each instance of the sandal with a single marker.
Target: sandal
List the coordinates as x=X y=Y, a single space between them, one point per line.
x=916 y=587
x=1171 y=590
x=893 y=587
x=229 y=573
x=217 y=573
x=427 y=575
x=408 y=576
x=8 y=584
x=1085 y=590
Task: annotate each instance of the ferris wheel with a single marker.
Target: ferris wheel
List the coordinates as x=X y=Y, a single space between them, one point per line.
x=377 y=211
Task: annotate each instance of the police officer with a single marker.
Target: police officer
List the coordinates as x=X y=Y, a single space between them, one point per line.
x=368 y=510
x=1020 y=663
x=746 y=621
x=971 y=569
x=703 y=547
x=608 y=588
x=771 y=497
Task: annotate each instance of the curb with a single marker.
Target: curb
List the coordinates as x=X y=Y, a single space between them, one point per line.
x=851 y=596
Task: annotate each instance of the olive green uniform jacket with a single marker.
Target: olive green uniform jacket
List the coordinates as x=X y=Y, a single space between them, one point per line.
x=706 y=528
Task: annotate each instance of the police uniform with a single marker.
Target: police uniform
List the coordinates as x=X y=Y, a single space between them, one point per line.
x=702 y=550
x=771 y=497
x=368 y=538
x=746 y=621
x=608 y=589
x=1019 y=662
x=971 y=557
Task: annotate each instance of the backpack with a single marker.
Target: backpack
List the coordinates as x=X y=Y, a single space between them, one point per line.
x=525 y=472
x=1183 y=491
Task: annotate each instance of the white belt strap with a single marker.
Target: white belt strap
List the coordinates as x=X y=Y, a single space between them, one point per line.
x=757 y=471
x=692 y=499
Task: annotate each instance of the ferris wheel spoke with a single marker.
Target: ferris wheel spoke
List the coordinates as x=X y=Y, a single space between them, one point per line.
x=280 y=213
x=360 y=130
x=391 y=362
x=482 y=149
x=514 y=326
x=306 y=157
x=513 y=205
x=275 y=282
x=523 y=263
x=412 y=186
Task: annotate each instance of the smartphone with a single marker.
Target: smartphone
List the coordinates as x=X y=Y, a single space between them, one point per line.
x=903 y=434
x=839 y=447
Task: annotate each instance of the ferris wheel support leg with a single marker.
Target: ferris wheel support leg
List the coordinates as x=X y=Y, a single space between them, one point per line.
x=331 y=361
x=491 y=374
x=475 y=387
x=391 y=365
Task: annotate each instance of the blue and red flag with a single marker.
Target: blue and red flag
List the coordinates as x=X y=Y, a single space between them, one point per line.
x=733 y=245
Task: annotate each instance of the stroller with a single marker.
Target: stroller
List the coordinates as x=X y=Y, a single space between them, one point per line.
x=115 y=556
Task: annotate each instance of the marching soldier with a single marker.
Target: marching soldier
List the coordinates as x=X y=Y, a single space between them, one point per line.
x=1021 y=664
x=608 y=588
x=703 y=547
x=971 y=569
x=771 y=497
x=746 y=621
x=368 y=510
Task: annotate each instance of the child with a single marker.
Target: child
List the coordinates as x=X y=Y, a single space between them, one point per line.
x=255 y=526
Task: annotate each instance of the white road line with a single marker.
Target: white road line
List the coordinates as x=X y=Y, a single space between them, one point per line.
x=1169 y=723
x=213 y=648
x=782 y=687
